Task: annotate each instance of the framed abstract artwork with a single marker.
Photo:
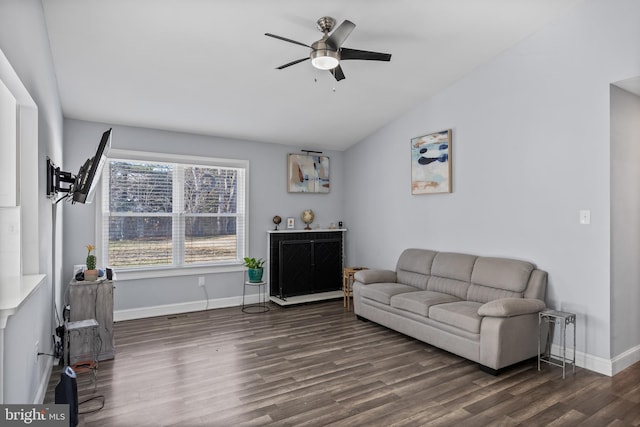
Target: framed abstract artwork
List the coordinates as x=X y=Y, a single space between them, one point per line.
x=308 y=173
x=431 y=163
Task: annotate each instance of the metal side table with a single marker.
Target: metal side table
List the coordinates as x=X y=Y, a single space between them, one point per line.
x=561 y=318
x=259 y=307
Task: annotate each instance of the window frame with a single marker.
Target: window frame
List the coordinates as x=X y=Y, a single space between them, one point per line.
x=172 y=271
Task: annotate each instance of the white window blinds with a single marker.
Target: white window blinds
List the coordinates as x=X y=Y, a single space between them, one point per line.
x=161 y=214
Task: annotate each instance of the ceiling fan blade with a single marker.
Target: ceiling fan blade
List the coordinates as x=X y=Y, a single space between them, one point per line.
x=337 y=73
x=346 y=53
x=292 y=63
x=286 y=39
x=340 y=34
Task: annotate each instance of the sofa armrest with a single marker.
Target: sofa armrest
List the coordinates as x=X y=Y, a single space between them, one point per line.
x=508 y=307
x=375 y=276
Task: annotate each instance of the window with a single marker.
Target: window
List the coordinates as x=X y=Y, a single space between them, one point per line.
x=167 y=214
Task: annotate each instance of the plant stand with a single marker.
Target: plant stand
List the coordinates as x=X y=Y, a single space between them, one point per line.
x=259 y=307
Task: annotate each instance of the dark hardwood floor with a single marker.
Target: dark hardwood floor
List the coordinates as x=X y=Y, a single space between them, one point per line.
x=316 y=365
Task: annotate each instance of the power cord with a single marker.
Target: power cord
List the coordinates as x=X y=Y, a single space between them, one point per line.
x=206 y=295
x=91 y=411
x=66 y=196
x=47 y=354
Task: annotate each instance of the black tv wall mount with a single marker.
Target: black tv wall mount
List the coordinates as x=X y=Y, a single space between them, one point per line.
x=58 y=181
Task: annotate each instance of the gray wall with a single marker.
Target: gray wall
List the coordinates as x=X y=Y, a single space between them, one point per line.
x=530 y=150
x=531 y=132
x=625 y=220
x=24 y=41
x=267 y=197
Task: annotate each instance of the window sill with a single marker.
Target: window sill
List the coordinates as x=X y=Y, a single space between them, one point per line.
x=175 y=272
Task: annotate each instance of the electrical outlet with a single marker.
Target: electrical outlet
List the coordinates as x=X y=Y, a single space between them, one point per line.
x=37 y=351
x=201 y=281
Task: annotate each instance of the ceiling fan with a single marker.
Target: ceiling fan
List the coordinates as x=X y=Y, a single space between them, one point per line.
x=327 y=52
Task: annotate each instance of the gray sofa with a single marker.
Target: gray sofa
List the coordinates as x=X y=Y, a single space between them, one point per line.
x=483 y=309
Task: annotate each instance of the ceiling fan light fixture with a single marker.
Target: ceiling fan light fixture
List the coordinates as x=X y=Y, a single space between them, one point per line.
x=324 y=59
x=327 y=53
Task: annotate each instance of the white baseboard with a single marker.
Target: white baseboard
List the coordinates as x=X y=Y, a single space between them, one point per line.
x=585 y=360
x=594 y=363
x=185 y=307
x=44 y=382
x=626 y=359
x=609 y=367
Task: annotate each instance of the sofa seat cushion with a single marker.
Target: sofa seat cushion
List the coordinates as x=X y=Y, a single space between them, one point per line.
x=420 y=301
x=460 y=314
x=382 y=292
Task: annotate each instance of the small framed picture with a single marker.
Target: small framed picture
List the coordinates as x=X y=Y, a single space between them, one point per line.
x=291 y=222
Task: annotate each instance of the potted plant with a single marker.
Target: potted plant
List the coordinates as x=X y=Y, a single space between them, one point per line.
x=91 y=274
x=255 y=270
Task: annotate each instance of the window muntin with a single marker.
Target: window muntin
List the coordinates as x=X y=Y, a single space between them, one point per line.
x=161 y=214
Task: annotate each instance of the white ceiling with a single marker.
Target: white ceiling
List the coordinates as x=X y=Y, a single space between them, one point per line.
x=206 y=67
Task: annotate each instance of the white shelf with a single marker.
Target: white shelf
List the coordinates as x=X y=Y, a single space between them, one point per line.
x=14 y=291
x=301 y=230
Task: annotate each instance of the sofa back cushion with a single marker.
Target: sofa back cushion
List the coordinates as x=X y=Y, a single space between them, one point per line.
x=495 y=278
x=414 y=267
x=470 y=277
x=451 y=273
x=453 y=287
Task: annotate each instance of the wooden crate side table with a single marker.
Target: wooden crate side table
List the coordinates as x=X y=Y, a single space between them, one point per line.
x=94 y=300
x=347 y=284
x=561 y=318
x=87 y=332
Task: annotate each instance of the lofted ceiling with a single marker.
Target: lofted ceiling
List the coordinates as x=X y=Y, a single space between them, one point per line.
x=206 y=67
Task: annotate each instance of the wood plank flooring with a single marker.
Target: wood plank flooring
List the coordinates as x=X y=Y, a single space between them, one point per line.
x=316 y=365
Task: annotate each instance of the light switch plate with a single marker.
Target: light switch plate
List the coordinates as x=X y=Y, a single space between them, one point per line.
x=585 y=217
